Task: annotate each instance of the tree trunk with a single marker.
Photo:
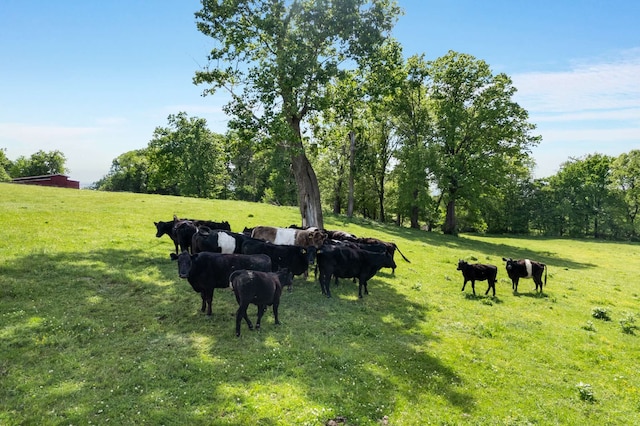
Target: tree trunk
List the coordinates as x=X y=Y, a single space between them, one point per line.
x=352 y=160
x=306 y=180
x=308 y=191
x=450 y=226
x=337 y=189
x=414 y=212
x=381 y=199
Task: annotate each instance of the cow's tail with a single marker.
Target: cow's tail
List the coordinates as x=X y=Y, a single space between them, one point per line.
x=545 y=274
x=403 y=256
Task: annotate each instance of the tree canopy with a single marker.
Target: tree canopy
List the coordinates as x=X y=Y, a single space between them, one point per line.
x=479 y=132
x=276 y=58
x=38 y=164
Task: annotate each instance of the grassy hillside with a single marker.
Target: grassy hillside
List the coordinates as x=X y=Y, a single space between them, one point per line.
x=96 y=327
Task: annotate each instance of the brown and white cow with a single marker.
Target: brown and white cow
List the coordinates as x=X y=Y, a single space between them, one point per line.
x=311 y=237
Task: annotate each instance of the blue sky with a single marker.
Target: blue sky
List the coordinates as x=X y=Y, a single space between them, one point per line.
x=93 y=78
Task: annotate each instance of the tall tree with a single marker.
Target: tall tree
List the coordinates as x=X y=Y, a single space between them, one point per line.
x=414 y=127
x=626 y=181
x=275 y=58
x=479 y=131
x=186 y=158
x=583 y=184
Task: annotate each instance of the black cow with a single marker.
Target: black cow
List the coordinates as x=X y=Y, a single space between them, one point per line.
x=261 y=289
x=389 y=246
x=346 y=262
x=373 y=247
x=525 y=268
x=294 y=258
x=183 y=230
x=163 y=228
x=478 y=272
x=207 y=271
x=217 y=241
x=211 y=224
x=187 y=228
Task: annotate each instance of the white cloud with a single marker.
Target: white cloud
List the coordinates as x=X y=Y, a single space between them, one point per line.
x=588 y=87
x=594 y=107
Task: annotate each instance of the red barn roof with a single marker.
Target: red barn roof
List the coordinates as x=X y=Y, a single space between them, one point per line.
x=58 y=180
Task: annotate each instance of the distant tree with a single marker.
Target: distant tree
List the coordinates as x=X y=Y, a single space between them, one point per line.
x=129 y=172
x=40 y=163
x=276 y=57
x=625 y=181
x=5 y=166
x=583 y=188
x=479 y=131
x=186 y=159
x=506 y=207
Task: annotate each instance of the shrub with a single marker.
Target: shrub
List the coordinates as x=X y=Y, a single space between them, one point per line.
x=600 y=313
x=585 y=392
x=589 y=326
x=628 y=323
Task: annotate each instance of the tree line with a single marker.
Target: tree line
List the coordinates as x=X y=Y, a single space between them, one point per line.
x=593 y=196
x=38 y=164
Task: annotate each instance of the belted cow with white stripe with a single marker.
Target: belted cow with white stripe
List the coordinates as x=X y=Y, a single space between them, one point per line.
x=525 y=268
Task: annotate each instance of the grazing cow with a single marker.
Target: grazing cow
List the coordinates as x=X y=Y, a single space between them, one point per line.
x=290 y=236
x=346 y=262
x=217 y=241
x=293 y=258
x=163 y=228
x=207 y=271
x=525 y=268
x=390 y=247
x=478 y=272
x=261 y=289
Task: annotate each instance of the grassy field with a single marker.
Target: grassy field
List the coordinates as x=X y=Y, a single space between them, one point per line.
x=97 y=328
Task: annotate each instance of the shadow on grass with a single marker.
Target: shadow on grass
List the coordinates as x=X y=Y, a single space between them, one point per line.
x=82 y=328
x=488 y=248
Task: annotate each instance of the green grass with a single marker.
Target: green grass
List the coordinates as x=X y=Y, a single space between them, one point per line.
x=96 y=327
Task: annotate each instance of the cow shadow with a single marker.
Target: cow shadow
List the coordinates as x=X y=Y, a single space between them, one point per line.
x=485 y=299
x=133 y=296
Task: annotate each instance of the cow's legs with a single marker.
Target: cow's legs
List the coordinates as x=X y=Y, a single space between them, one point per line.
x=492 y=285
x=324 y=284
x=261 y=309
x=275 y=313
x=464 y=284
x=242 y=313
x=538 y=282
x=204 y=301
x=514 y=284
x=362 y=284
x=209 y=301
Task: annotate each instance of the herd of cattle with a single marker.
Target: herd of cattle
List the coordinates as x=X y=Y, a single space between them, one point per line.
x=257 y=263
